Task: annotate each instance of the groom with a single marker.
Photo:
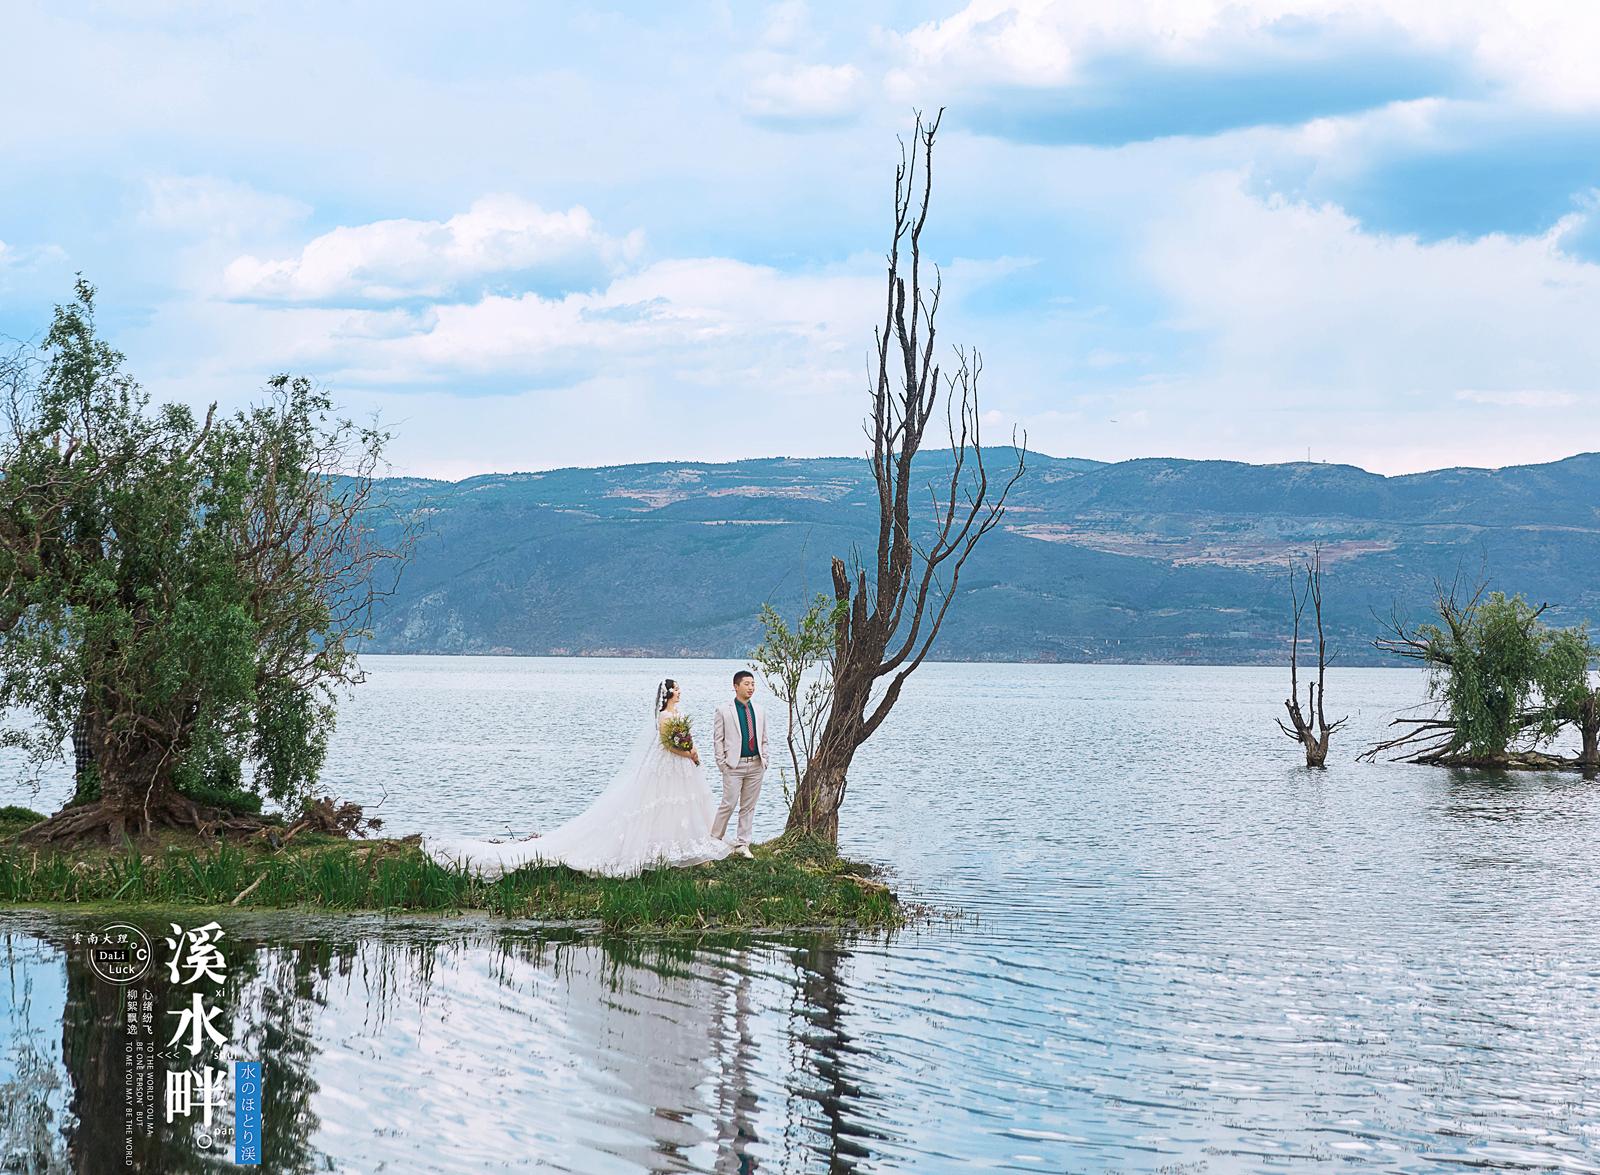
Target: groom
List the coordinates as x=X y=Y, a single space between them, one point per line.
x=740 y=743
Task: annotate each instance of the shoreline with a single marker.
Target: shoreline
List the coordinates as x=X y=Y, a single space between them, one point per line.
x=786 y=887
x=475 y=920
x=1273 y=662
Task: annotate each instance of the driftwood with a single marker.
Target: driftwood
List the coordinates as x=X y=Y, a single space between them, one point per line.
x=1428 y=741
x=248 y=890
x=321 y=815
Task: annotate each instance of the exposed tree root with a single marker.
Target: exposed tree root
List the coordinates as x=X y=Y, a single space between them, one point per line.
x=102 y=820
x=1438 y=754
x=1510 y=761
x=107 y=822
x=324 y=816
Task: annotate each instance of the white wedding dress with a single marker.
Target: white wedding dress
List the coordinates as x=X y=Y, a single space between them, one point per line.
x=655 y=812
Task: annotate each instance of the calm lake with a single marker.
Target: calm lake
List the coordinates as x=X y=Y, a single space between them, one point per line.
x=1176 y=951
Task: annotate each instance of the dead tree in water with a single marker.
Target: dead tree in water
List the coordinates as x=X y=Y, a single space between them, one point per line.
x=888 y=618
x=1589 y=730
x=1311 y=728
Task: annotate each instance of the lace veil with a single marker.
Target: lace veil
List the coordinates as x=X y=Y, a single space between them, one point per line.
x=629 y=777
x=602 y=836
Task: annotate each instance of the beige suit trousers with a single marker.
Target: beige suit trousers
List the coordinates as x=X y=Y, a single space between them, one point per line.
x=741 y=788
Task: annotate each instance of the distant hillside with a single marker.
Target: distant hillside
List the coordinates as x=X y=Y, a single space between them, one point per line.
x=1147 y=560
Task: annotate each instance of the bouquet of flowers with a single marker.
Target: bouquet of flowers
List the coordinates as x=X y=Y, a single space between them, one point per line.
x=675 y=734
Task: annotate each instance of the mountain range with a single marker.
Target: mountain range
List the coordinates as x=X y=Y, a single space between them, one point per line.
x=1149 y=560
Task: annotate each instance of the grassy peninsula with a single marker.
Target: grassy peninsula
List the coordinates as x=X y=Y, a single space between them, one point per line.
x=787 y=885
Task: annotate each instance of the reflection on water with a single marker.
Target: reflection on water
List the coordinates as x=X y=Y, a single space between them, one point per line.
x=433 y=1045
x=1181 y=952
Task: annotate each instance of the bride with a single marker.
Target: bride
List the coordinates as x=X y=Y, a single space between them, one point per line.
x=656 y=811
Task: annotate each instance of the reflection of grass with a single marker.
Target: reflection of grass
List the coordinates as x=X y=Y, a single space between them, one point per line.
x=786 y=885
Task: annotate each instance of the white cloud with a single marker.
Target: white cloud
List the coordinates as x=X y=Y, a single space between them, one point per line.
x=806 y=93
x=1295 y=295
x=1539 y=54
x=714 y=321
x=1545 y=53
x=1533 y=398
x=786 y=21
x=28 y=261
x=1242 y=328
x=703 y=357
x=396 y=259
x=1290 y=327
x=709 y=356
x=206 y=205
x=991 y=40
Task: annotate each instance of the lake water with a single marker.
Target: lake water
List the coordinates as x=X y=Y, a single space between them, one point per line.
x=1178 y=951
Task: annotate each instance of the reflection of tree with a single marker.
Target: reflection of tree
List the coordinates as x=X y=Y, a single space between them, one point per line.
x=269 y=993
x=823 y=1115
x=680 y=1024
x=29 y=1142
x=1483 y=793
x=824 y=1096
x=93 y=1037
x=273 y=1024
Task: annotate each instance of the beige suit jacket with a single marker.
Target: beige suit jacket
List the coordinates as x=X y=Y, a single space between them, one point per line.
x=725 y=736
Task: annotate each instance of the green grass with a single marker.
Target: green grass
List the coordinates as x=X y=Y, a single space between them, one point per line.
x=786 y=885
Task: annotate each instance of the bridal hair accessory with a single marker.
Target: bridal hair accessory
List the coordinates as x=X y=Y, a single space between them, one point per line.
x=663 y=692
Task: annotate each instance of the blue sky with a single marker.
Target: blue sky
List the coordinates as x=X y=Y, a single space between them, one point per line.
x=537 y=236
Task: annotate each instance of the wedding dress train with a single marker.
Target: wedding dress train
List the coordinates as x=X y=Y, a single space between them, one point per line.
x=655 y=812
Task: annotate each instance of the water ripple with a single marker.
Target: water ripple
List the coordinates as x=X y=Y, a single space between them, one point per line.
x=1177 y=951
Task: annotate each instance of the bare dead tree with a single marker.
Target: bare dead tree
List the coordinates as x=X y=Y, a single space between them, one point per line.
x=1422 y=644
x=1311 y=728
x=892 y=611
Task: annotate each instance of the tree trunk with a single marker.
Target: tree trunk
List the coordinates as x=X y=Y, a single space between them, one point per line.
x=815 y=811
x=1317 y=752
x=85 y=746
x=820 y=792
x=889 y=622
x=1589 y=724
x=135 y=776
x=137 y=795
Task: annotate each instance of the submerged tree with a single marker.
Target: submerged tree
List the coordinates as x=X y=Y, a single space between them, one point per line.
x=192 y=592
x=1311 y=728
x=1569 y=695
x=891 y=611
x=1589 y=729
x=1504 y=684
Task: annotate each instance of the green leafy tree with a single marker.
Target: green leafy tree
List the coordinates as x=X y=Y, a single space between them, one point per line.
x=1506 y=682
x=1568 y=692
x=798 y=666
x=190 y=592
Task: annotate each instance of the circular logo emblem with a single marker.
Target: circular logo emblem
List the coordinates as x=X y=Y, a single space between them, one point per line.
x=119 y=953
